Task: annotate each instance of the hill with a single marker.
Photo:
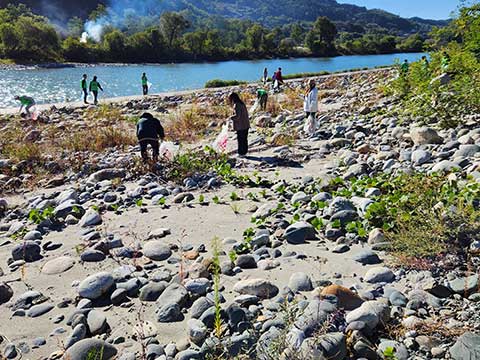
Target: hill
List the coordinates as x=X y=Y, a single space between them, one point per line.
x=268 y=12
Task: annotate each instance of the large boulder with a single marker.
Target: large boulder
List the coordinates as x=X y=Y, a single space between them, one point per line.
x=425 y=135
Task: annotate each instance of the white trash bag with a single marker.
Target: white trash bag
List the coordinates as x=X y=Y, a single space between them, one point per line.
x=255 y=107
x=220 y=143
x=168 y=150
x=311 y=125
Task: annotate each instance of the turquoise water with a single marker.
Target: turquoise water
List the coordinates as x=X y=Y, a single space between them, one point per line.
x=62 y=85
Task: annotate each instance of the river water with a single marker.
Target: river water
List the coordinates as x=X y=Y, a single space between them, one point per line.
x=63 y=85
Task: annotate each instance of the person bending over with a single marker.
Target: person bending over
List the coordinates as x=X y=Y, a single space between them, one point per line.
x=149 y=132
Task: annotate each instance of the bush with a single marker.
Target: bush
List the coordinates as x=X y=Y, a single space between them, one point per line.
x=215 y=83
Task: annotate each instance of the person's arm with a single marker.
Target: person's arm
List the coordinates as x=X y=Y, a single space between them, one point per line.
x=100 y=86
x=160 y=131
x=90 y=87
x=235 y=116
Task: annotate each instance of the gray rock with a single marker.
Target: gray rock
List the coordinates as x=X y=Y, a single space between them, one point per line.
x=300 y=282
x=6 y=293
x=79 y=332
x=467 y=347
x=107 y=174
x=58 y=265
x=33 y=235
x=156 y=250
x=155 y=351
x=39 y=310
x=420 y=157
x=425 y=135
x=183 y=197
x=298 y=232
x=197 y=331
x=189 y=355
x=96 y=285
x=401 y=352
x=445 y=166
x=200 y=306
x=10 y=351
x=90 y=349
x=90 y=218
x=28 y=251
x=198 y=286
x=330 y=346
x=371 y=313
x=259 y=287
x=340 y=204
x=367 y=257
x=300 y=197
x=91 y=255
x=396 y=298
x=467 y=151
x=173 y=294
x=465 y=285
x=379 y=274
x=246 y=261
x=169 y=313
x=152 y=291
x=97 y=322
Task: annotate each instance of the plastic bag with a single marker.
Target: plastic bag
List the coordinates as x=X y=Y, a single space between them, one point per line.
x=311 y=125
x=255 y=106
x=168 y=150
x=220 y=143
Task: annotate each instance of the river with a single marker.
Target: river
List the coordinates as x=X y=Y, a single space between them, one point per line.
x=63 y=85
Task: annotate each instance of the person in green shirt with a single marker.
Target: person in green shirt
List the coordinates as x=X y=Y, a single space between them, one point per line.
x=26 y=102
x=404 y=67
x=84 y=86
x=262 y=97
x=145 y=84
x=94 y=86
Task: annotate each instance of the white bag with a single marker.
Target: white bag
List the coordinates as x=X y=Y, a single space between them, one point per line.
x=168 y=150
x=255 y=107
x=311 y=125
x=220 y=143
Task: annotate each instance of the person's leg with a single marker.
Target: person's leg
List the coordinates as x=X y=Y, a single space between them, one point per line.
x=27 y=109
x=95 y=97
x=143 y=149
x=155 y=149
x=146 y=89
x=242 y=139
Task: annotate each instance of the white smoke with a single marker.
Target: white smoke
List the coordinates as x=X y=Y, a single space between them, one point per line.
x=94 y=29
x=84 y=37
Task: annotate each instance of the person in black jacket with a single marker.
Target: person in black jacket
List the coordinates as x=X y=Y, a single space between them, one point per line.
x=149 y=131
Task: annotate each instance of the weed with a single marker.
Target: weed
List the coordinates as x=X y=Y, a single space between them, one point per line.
x=234 y=196
x=216 y=288
x=36 y=216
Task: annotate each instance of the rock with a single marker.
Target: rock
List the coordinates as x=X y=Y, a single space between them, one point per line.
x=197 y=331
x=169 y=313
x=298 y=232
x=183 y=197
x=6 y=293
x=155 y=351
x=39 y=310
x=246 y=261
x=156 y=250
x=442 y=79
x=379 y=274
x=200 y=306
x=96 y=285
x=97 y=322
x=420 y=157
x=465 y=285
x=396 y=298
x=79 y=332
x=346 y=298
x=300 y=282
x=90 y=349
x=367 y=257
x=330 y=346
x=91 y=255
x=445 y=166
x=466 y=347
x=173 y=294
x=152 y=291
x=198 y=286
x=10 y=351
x=107 y=174
x=28 y=251
x=33 y=235
x=371 y=313
x=58 y=265
x=158 y=233
x=425 y=135
x=258 y=287
x=300 y=197
x=265 y=210
x=90 y=218
x=467 y=151
x=376 y=236
x=400 y=351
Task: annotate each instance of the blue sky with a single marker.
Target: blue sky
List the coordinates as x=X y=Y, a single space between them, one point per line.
x=428 y=9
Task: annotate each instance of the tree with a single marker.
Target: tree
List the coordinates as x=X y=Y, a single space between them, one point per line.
x=195 y=42
x=172 y=25
x=9 y=40
x=75 y=27
x=115 y=44
x=100 y=12
x=320 y=38
x=255 y=37
x=297 y=33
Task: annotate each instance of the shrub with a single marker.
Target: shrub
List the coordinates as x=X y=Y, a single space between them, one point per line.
x=215 y=83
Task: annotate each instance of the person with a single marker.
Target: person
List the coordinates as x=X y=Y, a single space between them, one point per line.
x=445 y=62
x=26 y=102
x=241 y=122
x=310 y=102
x=262 y=97
x=404 y=68
x=84 y=88
x=145 y=84
x=265 y=76
x=279 y=76
x=94 y=86
x=149 y=131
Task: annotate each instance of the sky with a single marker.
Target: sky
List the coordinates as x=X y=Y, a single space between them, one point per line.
x=427 y=9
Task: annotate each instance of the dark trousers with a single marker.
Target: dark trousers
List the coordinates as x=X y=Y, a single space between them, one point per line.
x=145 y=89
x=95 y=97
x=242 y=138
x=314 y=114
x=85 y=95
x=144 y=145
x=263 y=101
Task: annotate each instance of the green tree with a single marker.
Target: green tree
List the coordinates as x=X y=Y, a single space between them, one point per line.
x=320 y=38
x=75 y=26
x=115 y=44
x=195 y=42
x=172 y=25
x=98 y=13
x=255 y=36
x=297 y=33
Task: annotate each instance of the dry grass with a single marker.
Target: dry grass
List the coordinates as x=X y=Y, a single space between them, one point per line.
x=99 y=139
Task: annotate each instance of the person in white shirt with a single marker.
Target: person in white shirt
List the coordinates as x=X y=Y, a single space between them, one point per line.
x=310 y=103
